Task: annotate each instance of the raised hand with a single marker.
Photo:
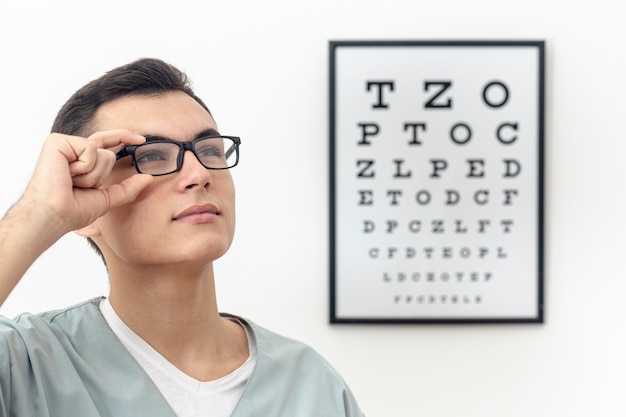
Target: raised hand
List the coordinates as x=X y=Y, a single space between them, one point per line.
x=71 y=178
x=70 y=188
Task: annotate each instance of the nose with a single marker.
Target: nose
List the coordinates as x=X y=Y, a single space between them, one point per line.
x=192 y=173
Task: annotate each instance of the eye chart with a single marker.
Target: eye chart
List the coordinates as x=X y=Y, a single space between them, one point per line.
x=436 y=181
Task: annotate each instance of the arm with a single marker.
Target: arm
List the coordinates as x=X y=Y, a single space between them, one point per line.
x=66 y=192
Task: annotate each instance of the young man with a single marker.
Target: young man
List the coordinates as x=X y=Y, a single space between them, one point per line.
x=137 y=165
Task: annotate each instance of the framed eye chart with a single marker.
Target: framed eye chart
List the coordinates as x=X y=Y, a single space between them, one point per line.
x=436 y=181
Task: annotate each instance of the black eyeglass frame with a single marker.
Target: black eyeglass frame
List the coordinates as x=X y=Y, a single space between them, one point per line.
x=182 y=146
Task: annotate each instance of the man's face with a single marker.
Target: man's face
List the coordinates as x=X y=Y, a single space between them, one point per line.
x=187 y=217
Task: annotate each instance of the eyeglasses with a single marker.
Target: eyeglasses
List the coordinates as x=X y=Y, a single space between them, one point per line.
x=165 y=156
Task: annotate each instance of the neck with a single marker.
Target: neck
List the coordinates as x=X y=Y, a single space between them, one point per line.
x=169 y=296
x=167 y=306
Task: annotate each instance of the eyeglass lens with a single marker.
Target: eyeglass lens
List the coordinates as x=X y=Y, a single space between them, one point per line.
x=159 y=158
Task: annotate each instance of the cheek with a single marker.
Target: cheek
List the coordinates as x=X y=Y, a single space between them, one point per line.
x=228 y=200
x=126 y=233
x=130 y=222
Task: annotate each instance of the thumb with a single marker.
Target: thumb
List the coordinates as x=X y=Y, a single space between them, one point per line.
x=128 y=190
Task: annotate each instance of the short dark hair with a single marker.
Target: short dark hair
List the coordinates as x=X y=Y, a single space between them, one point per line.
x=146 y=76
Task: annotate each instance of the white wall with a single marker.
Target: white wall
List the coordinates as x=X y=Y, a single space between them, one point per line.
x=262 y=67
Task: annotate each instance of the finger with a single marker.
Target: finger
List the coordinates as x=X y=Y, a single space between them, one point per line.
x=93 y=170
x=128 y=190
x=84 y=156
x=108 y=139
x=76 y=148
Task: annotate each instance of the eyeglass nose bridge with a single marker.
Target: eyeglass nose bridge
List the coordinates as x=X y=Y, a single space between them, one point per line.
x=183 y=147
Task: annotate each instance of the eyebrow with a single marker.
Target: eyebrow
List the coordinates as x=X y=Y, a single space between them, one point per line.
x=203 y=134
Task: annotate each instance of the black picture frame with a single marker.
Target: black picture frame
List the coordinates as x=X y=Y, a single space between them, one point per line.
x=436 y=181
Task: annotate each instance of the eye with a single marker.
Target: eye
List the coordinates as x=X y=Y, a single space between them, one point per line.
x=156 y=152
x=209 y=151
x=150 y=156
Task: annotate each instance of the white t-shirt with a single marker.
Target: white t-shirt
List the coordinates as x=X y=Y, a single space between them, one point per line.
x=187 y=396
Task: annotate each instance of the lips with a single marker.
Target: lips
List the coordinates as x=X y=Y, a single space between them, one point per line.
x=204 y=213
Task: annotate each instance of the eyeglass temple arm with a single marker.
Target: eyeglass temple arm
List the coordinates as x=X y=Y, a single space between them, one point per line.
x=124 y=152
x=230 y=150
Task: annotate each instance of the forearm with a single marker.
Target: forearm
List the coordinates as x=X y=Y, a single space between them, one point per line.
x=26 y=231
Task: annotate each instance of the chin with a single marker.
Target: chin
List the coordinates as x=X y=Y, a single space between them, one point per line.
x=205 y=252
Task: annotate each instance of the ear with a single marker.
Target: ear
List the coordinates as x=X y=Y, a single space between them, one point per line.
x=91 y=230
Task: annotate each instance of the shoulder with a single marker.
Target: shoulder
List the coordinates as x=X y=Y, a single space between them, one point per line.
x=277 y=346
x=32 y=323
x=73 y=354
x=290 y=361
x=294 y=378
x=55 y=323
x=36 y=342
x=53 y=331
x=85 y=310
